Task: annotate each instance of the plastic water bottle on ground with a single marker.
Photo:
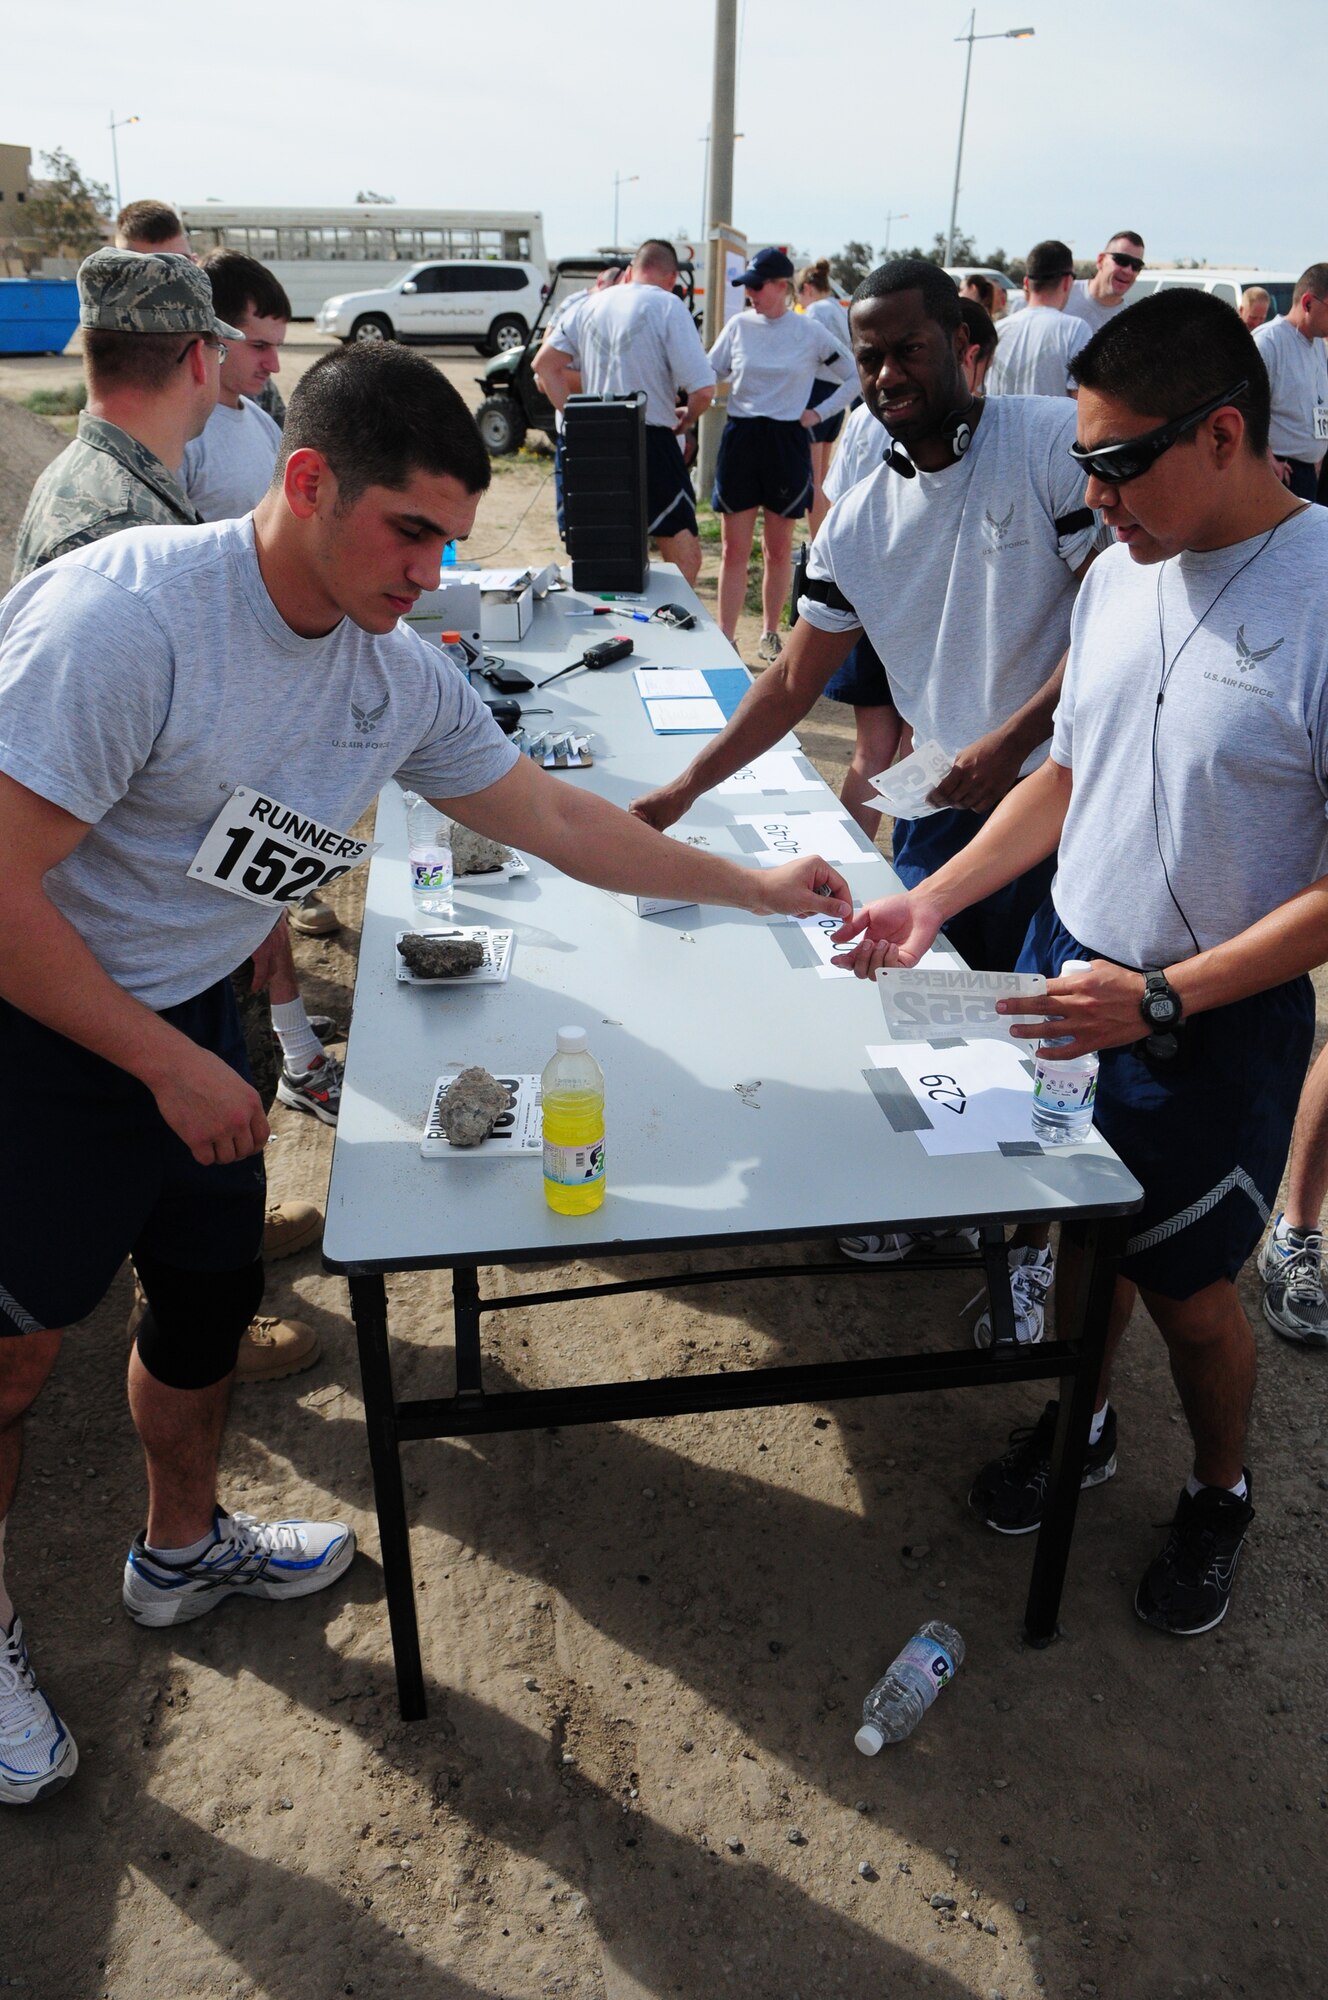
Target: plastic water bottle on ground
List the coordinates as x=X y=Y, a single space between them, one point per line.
x=1064 y=1092
x=572 y=1100
x=430 y=838
x=904 y=1693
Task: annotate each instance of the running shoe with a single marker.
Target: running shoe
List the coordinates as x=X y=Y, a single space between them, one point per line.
x=889 y=1248
x=1187 y=1588
x=1031 y=1273
x=37 y=1754
x=769 y=646
x=1008 y=1493
x=313 y=919
x=1291 y=1266
x=318 y=1090
x=248 y=1558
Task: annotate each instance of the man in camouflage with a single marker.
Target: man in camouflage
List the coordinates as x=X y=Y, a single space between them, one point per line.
x=152 y=344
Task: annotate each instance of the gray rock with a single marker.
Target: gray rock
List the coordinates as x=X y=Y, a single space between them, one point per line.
x=940 y=1901
x=441 y=957
x=471 y=1107
x=474 y=854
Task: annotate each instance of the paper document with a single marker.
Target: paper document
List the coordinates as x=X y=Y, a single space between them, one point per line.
x=660 y=683
x=975 y=1098
x=903 y=789
x=786 y=836
x=773 y=771
x=683 y=716
x=935 y=1003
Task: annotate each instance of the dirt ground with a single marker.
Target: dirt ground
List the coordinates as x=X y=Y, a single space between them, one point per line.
x=645 y=1648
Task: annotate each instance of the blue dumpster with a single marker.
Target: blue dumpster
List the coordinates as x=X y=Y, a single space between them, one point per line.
x=37 y=315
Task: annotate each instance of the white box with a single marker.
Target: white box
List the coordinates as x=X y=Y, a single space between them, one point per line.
x=453 y=607
x=506 y=614
x=649 y=906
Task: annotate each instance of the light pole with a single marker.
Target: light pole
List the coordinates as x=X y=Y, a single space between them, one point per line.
x=116 y=123
x=1005 y=35
x=620 y=181
x=895 y=215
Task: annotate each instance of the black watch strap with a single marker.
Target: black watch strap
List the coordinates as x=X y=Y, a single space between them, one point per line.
x=1160 y=1007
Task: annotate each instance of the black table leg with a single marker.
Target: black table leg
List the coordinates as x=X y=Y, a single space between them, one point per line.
x=1101 y=1245
x=368 y=1304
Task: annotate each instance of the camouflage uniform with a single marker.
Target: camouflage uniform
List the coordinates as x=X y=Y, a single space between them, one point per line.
x=102 y=482
x=273 y=402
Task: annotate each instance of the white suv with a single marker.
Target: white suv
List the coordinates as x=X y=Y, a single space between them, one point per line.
x=484 y=305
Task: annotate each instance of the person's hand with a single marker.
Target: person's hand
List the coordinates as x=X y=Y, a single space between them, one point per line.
x=1283 y=470
x=808 y=887
x=894 y=932
x=270 y=956
x=661 y=808
x=213 y=1110
x=809 y=419
x=983 y=773
x=682 y=420
x=1098 y=1009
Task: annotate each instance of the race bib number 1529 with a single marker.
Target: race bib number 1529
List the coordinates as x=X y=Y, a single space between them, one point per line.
x=269 y=853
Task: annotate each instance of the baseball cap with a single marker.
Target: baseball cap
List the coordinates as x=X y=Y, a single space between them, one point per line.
x=1048 y=260
x=766 y=264
x=153 y=291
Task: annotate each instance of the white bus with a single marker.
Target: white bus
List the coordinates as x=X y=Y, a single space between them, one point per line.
x=316 y=252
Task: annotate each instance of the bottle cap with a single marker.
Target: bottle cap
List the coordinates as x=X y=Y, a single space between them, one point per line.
x=572 y=1041
x=1075 y=965
x=869 y=1739
x=451 y=638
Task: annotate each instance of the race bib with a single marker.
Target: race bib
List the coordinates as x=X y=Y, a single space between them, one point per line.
x=924 y=1006
x=269 y=853
x=1320 y=422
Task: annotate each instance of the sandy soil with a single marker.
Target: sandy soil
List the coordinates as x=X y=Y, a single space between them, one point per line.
x=645 y=1649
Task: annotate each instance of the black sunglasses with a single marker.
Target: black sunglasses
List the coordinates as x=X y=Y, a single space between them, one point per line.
x=1117 y=464
x=1126 y=263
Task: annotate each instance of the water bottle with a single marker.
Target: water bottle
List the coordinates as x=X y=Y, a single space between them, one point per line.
x=449 y=554
x=572 y=1100
x=454 y=648
x=904 y=1693
x=1063 y=1092
x=430 y=838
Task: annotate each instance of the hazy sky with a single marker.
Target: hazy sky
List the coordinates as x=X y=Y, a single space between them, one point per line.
x=1171 y=117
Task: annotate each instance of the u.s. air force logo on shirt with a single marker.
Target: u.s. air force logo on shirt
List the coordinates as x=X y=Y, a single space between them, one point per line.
x=1247 y=658
x=366 y=717
x=997 y=531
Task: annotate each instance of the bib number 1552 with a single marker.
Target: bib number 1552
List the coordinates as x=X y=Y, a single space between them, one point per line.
x=269 y=853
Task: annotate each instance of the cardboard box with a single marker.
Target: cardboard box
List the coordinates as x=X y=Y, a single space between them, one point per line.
x=453 y=607
x=506 y=614
x=648 y=906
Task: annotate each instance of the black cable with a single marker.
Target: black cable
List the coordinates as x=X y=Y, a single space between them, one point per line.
x=482 y=560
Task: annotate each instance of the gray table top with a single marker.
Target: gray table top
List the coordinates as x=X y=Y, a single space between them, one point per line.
x=737 y=1105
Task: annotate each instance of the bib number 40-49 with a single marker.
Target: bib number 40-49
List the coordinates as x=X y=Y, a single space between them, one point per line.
x=266 y=852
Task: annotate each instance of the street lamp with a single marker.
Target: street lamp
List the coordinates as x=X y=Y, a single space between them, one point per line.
x=895 y=215
x=116 y=123
x=1005 y=35
x=620 y=181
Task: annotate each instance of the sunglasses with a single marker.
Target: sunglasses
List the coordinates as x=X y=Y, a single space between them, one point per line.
x=1117 y=464
x=1126 y=263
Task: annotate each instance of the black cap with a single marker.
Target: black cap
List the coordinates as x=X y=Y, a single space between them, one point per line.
x=766 y=264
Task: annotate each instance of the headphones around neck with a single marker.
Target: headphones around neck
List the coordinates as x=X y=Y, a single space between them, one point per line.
x=961 y=437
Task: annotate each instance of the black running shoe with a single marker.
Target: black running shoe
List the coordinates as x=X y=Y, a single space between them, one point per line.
x=1186 y=1589
x=1008 y=1493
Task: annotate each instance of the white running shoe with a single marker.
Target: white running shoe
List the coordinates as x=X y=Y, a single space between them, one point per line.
x=38 y=1756
x=890 y=1248
x=769 y=646
x=249 y=1558
x=1031 y=1273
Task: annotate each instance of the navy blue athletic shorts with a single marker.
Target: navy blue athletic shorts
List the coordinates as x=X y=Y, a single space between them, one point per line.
x=827 y=432
x=861 y=680
x=763 y=462
x=90 y=1172
x=1206 y=1135
x=670 y=501
x=990 y=935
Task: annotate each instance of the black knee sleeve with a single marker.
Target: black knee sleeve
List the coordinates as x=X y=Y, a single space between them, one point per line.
x=191 y=1332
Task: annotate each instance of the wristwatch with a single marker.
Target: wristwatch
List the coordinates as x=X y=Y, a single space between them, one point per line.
x=1161 y=1010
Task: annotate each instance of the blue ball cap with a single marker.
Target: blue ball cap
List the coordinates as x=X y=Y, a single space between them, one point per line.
x=766 y=264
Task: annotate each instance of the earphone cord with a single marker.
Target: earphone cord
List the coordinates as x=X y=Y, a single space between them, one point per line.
x=1164 y=682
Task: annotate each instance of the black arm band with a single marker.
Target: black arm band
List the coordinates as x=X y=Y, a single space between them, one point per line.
x=822 y=591
x=1071 y=524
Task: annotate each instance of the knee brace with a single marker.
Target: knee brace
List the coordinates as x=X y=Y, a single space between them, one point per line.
x=191 y=1331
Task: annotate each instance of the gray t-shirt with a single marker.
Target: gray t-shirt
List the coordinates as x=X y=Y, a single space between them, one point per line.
x=772 y=363
x=959 y=578
x=1241 y=786
x=1298 y=375
x=145 y=677
x=1082 y=305
x=228 y=469
x=1034 y=349
x=635 y=337
x=863 y=443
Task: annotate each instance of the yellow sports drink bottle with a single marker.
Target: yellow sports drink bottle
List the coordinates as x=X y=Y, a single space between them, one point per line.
x=572 y=1096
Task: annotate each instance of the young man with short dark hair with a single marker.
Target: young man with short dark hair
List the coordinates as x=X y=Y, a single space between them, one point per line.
x=151 y=226
x=1186 y=790
x=228 y=468
x=1293 y=353
x=1036 y=346
x=1097 y=299
x=148 y=686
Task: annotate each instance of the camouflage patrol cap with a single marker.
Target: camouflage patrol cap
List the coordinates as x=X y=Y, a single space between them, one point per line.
x=131 y=291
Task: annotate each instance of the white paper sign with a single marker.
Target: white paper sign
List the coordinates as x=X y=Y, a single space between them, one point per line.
x=269 y=853
x=1320 y=422
x=704 y=715
x=903 y=789
x=773 y=771
x=677 y=683
x=933 y=1003
x=977 y=1097
x=787 y=836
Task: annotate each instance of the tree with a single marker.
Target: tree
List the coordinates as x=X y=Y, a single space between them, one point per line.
x=852 y=264
x=67 y=213
x=965 y=249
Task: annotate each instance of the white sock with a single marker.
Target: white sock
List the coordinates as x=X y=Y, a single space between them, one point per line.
x=6 y=1601
x=1240 y=1489
x=300 y=1046
x=191 y=1554
x=1098 y=1424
